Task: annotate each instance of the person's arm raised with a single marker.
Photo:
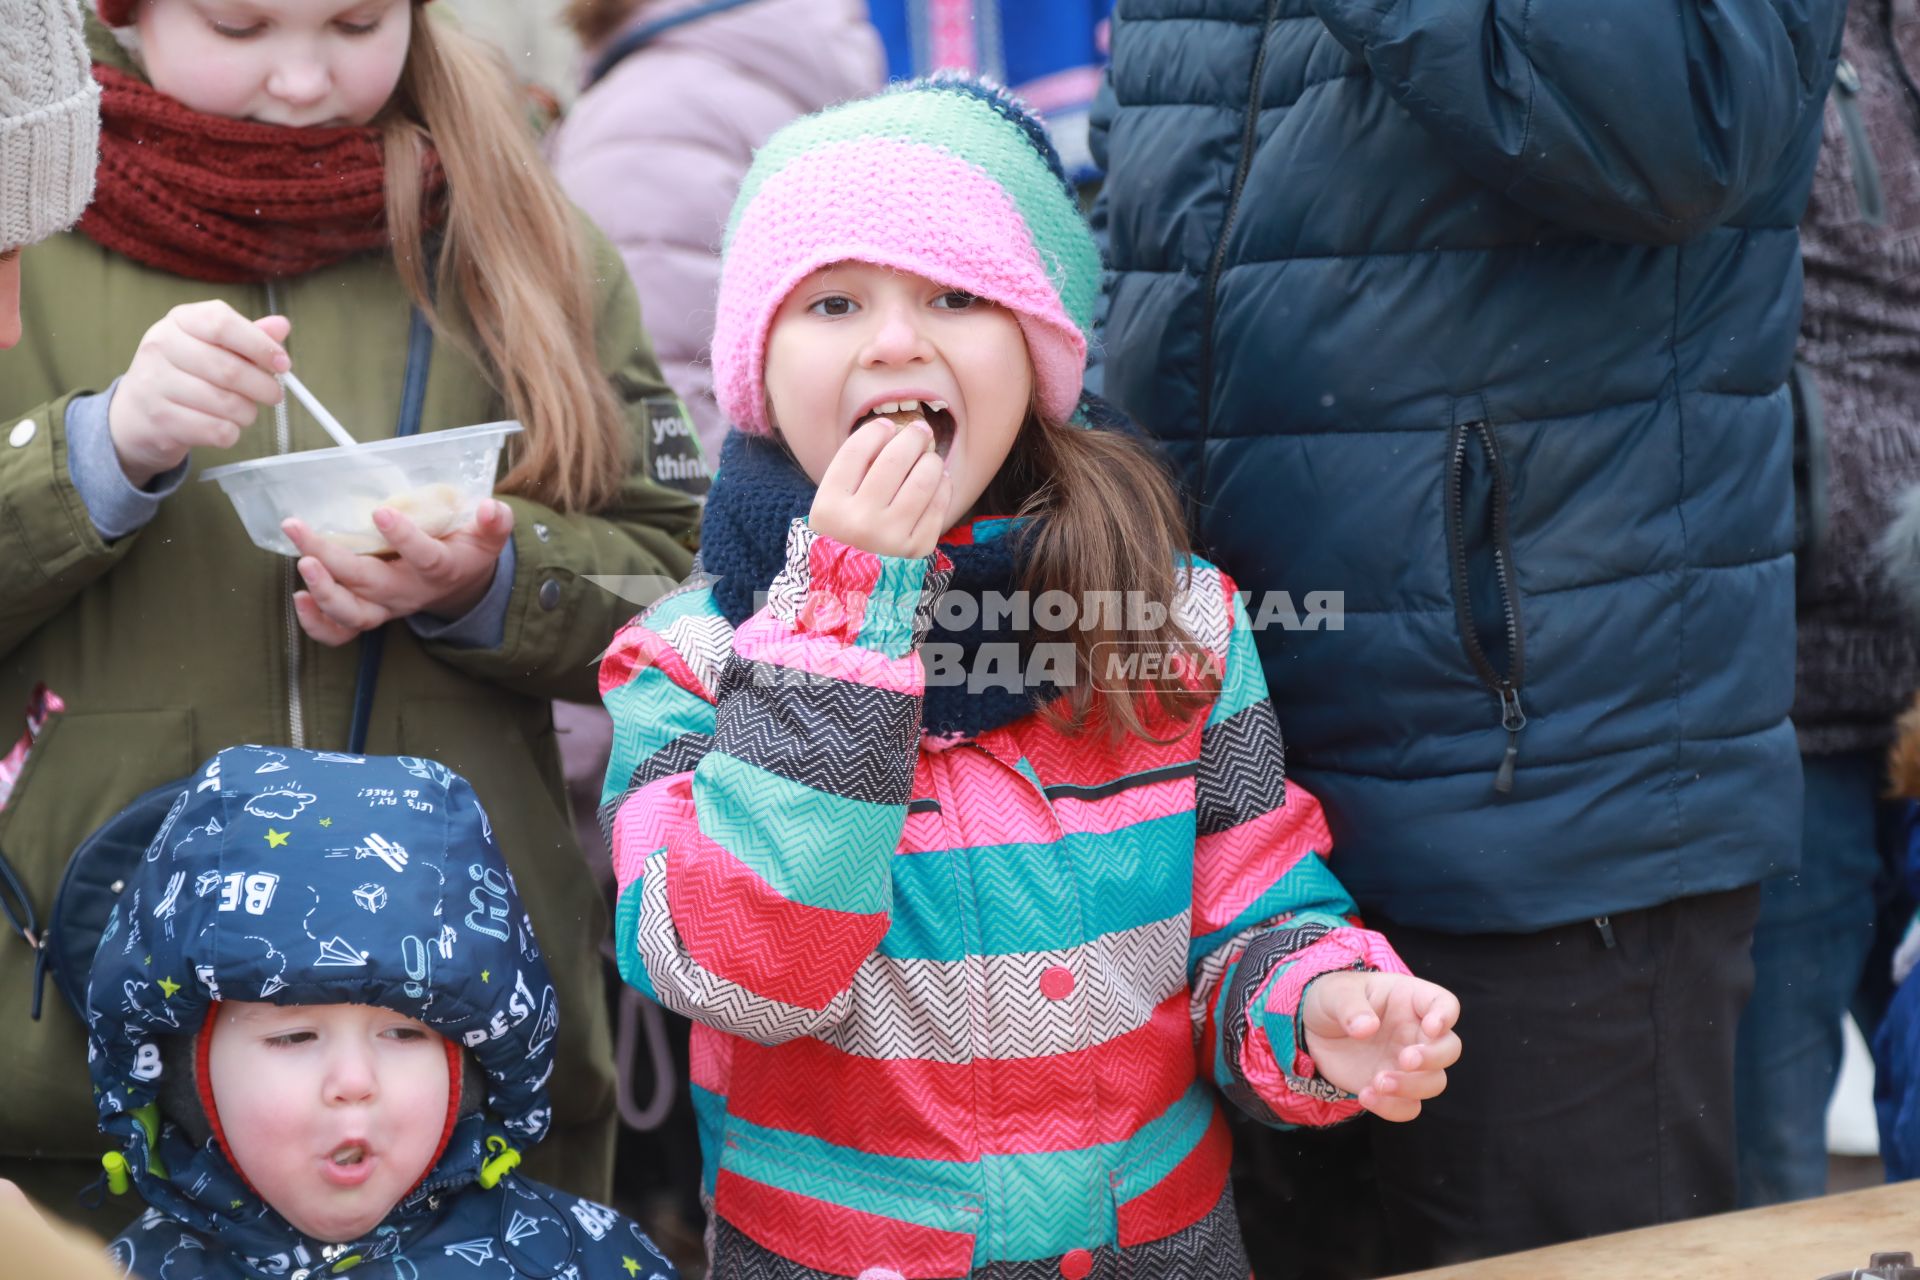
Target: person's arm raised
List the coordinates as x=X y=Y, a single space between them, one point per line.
x=1639 y=120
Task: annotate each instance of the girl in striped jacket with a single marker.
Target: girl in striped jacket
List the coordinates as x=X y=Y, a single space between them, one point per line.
x=946 y=797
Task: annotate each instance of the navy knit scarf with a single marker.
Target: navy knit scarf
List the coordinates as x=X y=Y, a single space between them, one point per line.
x=760 y=491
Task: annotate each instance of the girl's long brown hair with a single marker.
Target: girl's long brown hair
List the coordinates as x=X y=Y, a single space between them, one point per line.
x=1101 y=514
x=595 y=20
x=513 y=255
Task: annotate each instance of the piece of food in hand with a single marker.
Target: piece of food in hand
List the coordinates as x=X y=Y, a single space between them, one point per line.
x=937 y=414
x=436 y=509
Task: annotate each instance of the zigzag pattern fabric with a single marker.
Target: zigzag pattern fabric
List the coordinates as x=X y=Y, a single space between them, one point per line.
x=1210 y=1247
x=963 y=1008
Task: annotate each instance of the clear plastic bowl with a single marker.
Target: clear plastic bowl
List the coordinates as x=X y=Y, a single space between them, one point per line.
x=436 y=477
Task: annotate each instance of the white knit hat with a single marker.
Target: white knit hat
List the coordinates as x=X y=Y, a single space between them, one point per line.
x=49 y=120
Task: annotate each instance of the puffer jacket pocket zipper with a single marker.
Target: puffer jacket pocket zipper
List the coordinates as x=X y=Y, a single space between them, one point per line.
x=1504 y=686
x=1866 y=169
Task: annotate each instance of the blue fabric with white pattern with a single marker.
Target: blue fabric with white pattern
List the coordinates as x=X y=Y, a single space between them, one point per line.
x=301 y=877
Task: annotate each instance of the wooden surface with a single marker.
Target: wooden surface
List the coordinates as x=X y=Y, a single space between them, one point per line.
x=1802 y=1241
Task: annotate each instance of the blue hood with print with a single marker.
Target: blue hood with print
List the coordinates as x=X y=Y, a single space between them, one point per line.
x=299 y=877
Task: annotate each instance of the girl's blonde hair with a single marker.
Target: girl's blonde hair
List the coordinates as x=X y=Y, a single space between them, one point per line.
x=514 y=256
x=1100 y=513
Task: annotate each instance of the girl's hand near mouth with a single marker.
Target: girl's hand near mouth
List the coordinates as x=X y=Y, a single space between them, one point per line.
x=886 y=491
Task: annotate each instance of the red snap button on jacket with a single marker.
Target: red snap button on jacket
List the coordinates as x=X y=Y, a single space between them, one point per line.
x=1076 y=1264
x=1057 y=984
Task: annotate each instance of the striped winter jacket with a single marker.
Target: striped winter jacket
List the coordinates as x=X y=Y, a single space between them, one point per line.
x=962 y=1007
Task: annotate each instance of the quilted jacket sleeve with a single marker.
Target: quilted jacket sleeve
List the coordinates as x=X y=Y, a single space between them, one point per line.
x=1268 y=914
x=1637 y=120
x=757 y=793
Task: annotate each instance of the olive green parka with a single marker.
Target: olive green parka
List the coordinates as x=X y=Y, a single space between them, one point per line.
x=179 y=639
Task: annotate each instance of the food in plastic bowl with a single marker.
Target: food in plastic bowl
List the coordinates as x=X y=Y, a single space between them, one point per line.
x=437 y=479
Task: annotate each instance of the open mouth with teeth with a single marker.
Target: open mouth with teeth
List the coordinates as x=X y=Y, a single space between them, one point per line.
x=348 y=1154
x=937 y=414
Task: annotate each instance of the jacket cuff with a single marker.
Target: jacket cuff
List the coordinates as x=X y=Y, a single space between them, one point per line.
x=1274 y=1057
x=882 y=603
x=485 y=625
x=50 y=528
x=115 y=505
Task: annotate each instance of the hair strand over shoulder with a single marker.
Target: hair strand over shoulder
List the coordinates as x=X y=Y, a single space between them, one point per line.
x=1102 y=514
x=514 y=258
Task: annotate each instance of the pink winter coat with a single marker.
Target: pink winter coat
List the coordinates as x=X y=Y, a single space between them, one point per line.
x=656 y=150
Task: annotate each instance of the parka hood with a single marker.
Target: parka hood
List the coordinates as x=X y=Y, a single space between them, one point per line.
x=812 y=52
x=300 y=877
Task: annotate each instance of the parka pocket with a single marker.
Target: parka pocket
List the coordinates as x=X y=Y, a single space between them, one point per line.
x=1486 y=596
x=84 y=768
x=832 y=1210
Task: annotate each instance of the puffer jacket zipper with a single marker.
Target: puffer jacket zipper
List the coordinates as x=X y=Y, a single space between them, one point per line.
x=1866 y=169
x=283 y=443
x=1210 y=302
x=1506 y=687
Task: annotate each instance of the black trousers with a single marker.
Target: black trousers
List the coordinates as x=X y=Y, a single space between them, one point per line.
x=1594 y=1091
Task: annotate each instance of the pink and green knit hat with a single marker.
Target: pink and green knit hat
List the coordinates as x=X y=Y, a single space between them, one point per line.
x=950 y=178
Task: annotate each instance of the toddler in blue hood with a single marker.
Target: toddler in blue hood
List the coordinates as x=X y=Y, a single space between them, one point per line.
x=320 y=1031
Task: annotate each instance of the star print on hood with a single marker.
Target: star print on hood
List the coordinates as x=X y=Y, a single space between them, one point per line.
x=299 y=877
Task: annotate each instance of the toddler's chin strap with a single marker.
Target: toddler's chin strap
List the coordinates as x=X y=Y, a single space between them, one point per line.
x=503 y=1161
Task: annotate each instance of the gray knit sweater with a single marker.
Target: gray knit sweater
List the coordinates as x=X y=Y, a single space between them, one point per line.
x=49 y=120
x=1859 y=655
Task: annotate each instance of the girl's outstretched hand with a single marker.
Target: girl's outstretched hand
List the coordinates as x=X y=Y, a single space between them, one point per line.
x=198 y=378
x=885 y=492
x=1387 y=1037
x=348 y=593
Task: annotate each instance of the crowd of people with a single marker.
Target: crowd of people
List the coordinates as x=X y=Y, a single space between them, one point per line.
x=957 y=441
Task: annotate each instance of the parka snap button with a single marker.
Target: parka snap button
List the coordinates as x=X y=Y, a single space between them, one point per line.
x=1057 y=982
x=550 y=594
x=1076 y=1264
x=541 y=532
x=23 y=433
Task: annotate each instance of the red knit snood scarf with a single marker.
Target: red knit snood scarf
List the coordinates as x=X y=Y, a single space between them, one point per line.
x=231 y=201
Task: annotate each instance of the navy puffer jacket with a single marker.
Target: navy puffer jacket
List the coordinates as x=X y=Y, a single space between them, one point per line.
x=1480 y=312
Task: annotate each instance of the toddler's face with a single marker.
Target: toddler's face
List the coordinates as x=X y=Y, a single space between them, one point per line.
x=290 y=62
x=854 y=338
x=332 y=1111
